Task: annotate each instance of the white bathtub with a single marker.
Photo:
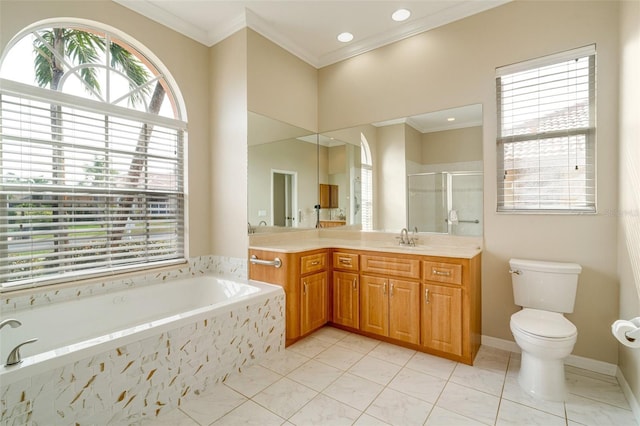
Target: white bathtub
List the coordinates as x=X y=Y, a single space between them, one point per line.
x=97 y=356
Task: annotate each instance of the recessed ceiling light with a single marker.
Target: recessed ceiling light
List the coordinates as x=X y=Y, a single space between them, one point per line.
x=345 y=37
x=451 y=119
x=401 y=15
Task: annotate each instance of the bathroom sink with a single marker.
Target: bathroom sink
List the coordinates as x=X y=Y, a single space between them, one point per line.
x=405 y=247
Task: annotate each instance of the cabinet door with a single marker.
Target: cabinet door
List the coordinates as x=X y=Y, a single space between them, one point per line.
x=374 y=305
x=404 y=310
x=345 y=299
x=334 y=197
x=442 y=318
x=314 y=302
x=325 y=196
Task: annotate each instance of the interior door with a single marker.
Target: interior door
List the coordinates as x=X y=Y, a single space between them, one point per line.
x=283 y=198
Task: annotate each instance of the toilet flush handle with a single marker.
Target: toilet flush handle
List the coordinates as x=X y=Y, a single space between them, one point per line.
x=517 y=272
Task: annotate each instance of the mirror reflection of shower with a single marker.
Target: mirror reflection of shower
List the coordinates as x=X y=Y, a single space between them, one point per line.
x=445 y=202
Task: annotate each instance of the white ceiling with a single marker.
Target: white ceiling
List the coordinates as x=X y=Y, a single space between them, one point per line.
x=307 y=28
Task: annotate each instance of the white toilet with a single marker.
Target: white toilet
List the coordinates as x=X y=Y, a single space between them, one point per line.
x=545 y=290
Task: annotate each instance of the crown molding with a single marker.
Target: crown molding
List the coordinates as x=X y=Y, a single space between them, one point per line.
x=161 y=16
x=251 y=20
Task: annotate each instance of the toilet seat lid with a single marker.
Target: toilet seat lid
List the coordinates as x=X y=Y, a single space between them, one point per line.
x=543 y=323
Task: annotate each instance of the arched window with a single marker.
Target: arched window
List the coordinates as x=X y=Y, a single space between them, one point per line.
x=91 y=156
x=367 y=184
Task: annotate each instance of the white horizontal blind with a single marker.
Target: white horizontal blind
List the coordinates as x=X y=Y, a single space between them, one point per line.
x=546 y=141
x=83 y=191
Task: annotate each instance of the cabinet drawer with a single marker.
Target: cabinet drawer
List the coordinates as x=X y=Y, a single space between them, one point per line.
x=449 y=273
x=313 y=262
x=394 y=266
x=346 y=261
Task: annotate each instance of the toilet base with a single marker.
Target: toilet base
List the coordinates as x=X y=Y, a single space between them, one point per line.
x=543 y=378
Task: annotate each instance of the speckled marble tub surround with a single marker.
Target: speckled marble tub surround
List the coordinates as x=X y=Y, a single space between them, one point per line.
x=147 y=377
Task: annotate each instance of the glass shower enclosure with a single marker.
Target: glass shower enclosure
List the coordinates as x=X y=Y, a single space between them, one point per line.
x=445 y=202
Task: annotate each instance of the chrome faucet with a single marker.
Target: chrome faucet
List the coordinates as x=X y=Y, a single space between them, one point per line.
x=14 y=356
x=262 y=222
x=404 y=238
x=250 y=229
x=10 y=321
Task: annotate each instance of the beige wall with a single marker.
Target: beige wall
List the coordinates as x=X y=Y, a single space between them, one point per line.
x=280 y=85
x=629 y=182
x=187 y=62
x=390 y=191
x=455 y=65
x=228 y=160
x=452 y=146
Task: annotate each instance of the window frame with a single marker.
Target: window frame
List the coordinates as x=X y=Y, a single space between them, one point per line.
x=52 y=97
x=587 y=132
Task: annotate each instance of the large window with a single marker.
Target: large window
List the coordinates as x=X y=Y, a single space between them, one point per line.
x=91 y=156
x=546 y=134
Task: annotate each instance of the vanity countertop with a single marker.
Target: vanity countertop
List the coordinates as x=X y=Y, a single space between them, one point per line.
x=464 y=251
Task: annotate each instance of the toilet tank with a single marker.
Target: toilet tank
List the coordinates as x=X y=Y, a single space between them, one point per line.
x=549 y=286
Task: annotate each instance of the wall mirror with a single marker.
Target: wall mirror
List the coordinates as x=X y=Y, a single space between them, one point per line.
x=282 y=175
x=422 y=172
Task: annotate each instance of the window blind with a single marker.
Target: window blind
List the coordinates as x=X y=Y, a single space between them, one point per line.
x=86 y=187
x=546 y=134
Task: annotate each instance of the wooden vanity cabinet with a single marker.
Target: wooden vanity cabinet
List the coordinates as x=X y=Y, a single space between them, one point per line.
x=305 y=281
x=390 y=306
x=450 y=307
x=427 y=303
x=346 y=289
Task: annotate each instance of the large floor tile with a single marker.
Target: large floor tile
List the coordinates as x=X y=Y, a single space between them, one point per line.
x=250 y=414
x=285 y=362
x=252 y=380
x=285 y=397
x=392 y=353
x=492 y=359
x=477 y=378
x=323 y=410
x=399 y=409
x=213 y=404
x=589 y=412
x=511 y=413
x=330 y=334
x=375 y=369
x=469 y=402
x=422 y=386
x=441 y=417
x=513 y=392
x=433 y=365
x=315 y=375
x=595 y=388
x=309 y=346
x=358 y=343
x=353 y=391
x=338 y=357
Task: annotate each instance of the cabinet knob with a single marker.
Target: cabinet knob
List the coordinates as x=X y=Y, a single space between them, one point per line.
x=443 y=273
x=354 y=283
x=426 y=295
x=304 y=287
x=391 y=290
x=384 y=288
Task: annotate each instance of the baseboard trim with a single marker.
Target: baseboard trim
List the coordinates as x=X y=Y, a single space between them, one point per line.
x=633 y=402
x=573 y=360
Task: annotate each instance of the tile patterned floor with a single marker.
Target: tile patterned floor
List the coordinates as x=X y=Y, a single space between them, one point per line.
x=338 y=378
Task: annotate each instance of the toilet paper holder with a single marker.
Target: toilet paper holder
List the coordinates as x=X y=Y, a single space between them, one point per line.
x=635 y=334
x=627 y=332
